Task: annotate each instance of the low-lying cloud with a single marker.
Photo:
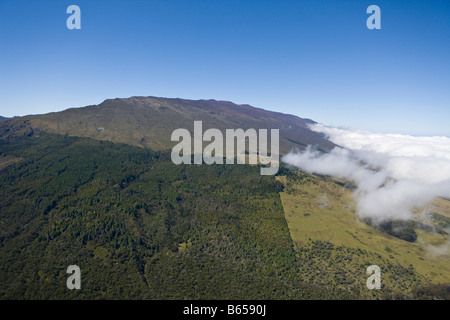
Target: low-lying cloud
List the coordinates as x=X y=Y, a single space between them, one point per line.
x=394 y=173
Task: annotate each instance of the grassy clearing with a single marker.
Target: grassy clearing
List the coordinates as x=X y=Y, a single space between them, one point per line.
x=6 y=161
x=321 y=208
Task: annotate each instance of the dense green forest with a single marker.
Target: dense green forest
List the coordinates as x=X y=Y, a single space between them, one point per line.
x=140 y=227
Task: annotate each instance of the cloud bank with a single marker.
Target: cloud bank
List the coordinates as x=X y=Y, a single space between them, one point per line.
x=394 y=173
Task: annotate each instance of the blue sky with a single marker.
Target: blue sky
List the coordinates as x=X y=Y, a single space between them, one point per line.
x=315 y=59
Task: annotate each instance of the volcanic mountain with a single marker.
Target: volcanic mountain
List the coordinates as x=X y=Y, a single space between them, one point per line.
x=150 y=121
x=141 y=227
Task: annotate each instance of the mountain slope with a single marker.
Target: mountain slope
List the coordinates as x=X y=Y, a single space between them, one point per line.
x=140 y=227
x=321 y=215
x=150 y=121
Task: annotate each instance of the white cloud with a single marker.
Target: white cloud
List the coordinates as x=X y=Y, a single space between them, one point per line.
x=394 y=173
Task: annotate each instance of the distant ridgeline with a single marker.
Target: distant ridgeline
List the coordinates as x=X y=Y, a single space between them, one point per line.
x=150 y=121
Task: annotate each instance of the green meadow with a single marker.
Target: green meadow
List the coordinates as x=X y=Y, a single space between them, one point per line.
x=323 y=209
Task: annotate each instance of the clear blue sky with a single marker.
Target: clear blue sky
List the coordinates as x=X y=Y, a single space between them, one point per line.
x=314 y=59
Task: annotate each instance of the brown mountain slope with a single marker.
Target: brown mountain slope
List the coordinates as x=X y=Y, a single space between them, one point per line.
x=150 y=121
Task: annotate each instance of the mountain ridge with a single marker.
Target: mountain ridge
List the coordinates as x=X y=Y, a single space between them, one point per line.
x=149 y=122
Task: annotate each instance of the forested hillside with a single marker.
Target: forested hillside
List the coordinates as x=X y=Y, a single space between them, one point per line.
x=139 y=226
